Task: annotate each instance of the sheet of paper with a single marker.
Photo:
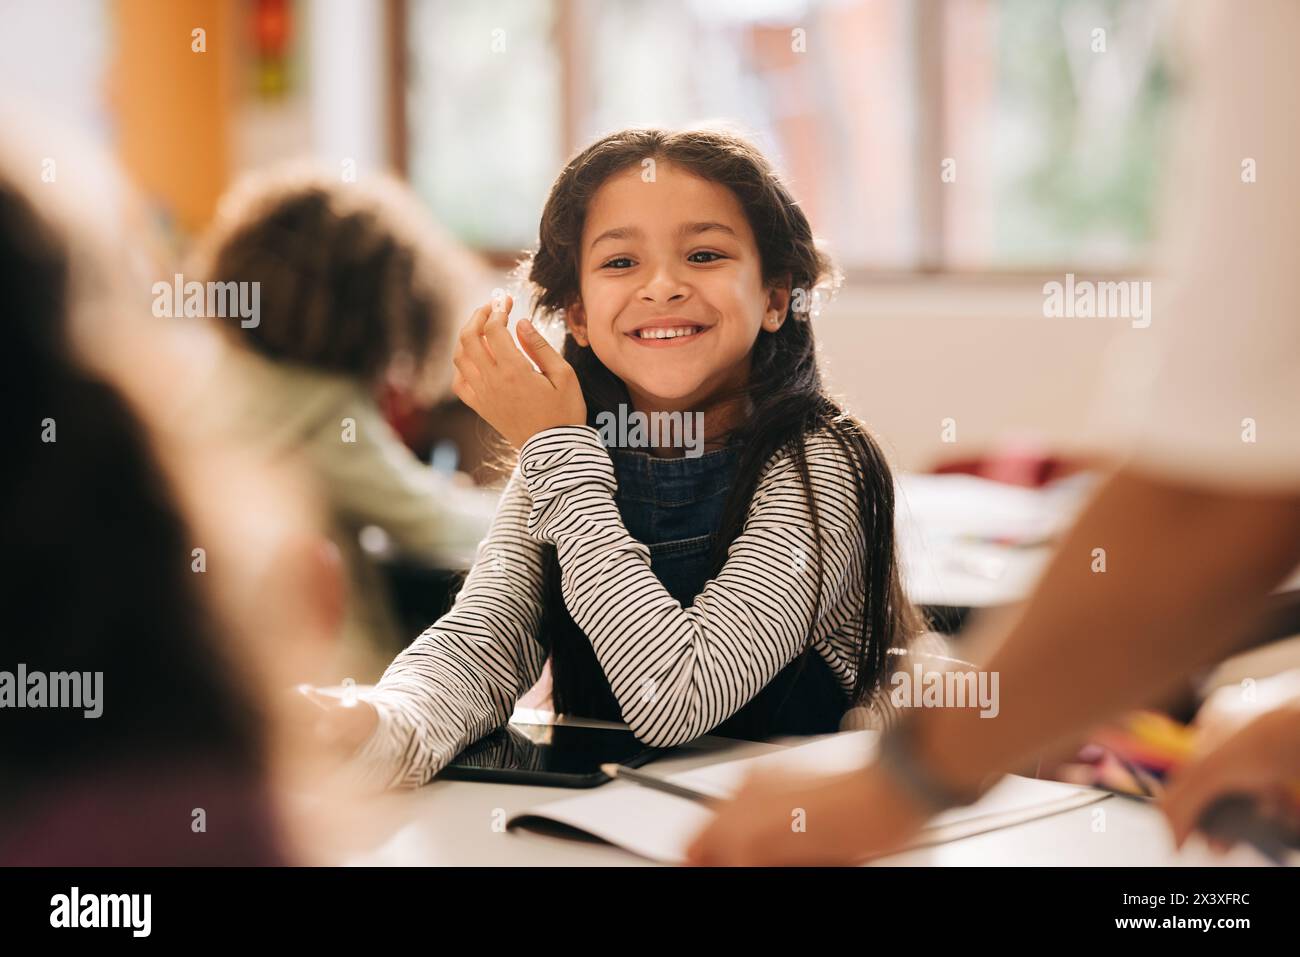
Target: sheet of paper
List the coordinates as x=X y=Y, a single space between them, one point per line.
x=659 y=826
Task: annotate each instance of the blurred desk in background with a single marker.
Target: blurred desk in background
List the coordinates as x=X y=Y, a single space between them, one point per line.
x=967 y=542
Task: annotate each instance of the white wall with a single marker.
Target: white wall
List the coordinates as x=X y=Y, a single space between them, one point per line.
x=906 y=354
x=336 y=108
x=53 y=59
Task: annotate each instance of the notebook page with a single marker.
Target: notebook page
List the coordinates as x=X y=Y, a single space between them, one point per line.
x=660 y=826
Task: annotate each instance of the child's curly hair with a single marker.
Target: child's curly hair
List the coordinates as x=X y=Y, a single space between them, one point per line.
x=353 y=276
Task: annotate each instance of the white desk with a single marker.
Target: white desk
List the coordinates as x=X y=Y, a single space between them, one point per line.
x=459 y=823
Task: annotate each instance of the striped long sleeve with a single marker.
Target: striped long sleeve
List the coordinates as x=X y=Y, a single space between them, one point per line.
x=460 y=679
x=679 y=672
x=676 y=672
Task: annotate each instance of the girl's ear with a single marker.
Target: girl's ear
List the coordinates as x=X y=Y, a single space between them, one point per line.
x=778 y=304
x=575 y=317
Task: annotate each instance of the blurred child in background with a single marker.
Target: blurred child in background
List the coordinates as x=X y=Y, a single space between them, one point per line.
x=357 y=292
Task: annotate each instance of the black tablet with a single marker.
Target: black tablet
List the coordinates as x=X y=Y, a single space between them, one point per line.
x=551 y=755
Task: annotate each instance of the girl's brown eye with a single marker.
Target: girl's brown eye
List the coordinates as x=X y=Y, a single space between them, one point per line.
x=619 y=259
x=705 y=252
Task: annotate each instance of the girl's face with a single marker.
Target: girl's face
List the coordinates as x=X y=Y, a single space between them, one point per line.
x=672 y=258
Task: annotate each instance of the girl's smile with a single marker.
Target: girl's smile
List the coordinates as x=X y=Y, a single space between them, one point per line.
x=669 y=332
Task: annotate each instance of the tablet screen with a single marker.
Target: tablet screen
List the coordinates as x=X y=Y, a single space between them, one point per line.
x=548 y=753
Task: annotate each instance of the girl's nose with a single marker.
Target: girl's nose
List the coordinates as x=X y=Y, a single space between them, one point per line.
x=664 y=285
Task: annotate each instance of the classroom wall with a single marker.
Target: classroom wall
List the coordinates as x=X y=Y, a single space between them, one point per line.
x=906 y=354
x=55 y=72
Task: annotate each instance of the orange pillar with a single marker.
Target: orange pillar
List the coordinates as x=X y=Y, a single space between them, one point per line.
x=174 y=102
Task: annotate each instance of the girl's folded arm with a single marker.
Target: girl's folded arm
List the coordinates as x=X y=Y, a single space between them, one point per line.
x=461 y=679
x=679 y=672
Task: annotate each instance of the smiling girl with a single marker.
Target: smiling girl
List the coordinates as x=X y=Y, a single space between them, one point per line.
x=748 y=591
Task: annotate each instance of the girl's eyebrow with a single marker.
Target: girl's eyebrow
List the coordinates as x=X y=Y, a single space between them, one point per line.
x=685 y=229
x=618 y=232
x=694 y=229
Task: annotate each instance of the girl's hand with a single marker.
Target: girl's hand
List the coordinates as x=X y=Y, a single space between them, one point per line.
x=1261 y=760
x=495 y=380
x=340 y=725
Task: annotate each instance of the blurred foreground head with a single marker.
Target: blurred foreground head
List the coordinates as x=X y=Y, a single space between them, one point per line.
x=177 y=584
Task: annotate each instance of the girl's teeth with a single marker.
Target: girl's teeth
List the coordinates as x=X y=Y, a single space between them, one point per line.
x=667 y=333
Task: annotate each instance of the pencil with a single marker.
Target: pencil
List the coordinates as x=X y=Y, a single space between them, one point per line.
x=656 y=784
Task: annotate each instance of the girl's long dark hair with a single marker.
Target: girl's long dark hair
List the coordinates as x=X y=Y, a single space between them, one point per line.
x=784 y=395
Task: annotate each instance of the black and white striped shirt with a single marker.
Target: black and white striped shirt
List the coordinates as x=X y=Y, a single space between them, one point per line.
x=676 y=672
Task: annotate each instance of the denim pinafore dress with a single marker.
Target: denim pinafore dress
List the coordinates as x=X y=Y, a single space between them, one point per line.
x=674 y=506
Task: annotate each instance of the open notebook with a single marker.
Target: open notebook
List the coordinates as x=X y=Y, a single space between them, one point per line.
x=659 y=826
